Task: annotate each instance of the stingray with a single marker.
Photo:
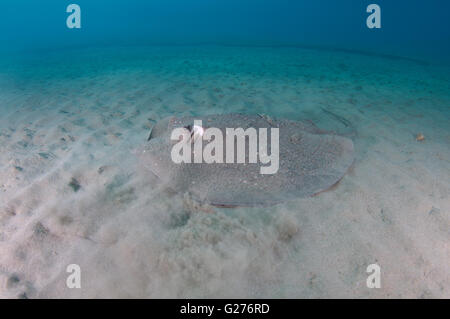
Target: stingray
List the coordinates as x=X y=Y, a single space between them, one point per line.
x=310 y=161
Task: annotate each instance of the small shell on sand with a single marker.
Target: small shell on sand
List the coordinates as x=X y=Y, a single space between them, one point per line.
x=420 y=137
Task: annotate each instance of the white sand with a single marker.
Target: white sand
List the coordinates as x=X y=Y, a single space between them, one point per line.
x=81 y=114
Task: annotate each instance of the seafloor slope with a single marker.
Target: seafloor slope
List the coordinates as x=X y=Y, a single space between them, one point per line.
x=72 y=192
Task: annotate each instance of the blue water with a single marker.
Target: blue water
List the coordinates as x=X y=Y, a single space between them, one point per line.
x=76 y=106
x=413 y=28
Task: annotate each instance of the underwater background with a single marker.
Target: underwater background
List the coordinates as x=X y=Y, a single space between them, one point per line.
x=77 y=104
x=409 y=28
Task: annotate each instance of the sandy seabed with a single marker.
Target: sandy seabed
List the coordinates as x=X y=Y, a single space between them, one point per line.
x=72 y=190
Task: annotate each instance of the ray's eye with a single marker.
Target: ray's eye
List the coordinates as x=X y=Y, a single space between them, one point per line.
x=191 y=130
